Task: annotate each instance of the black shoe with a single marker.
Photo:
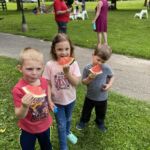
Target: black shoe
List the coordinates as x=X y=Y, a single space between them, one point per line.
x=80 y=126
x=102 y=127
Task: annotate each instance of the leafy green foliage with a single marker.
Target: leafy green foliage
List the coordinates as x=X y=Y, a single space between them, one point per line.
x=127 y=120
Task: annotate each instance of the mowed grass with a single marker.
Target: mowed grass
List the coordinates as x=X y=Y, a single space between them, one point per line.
x=126 y=35
x=127 y=119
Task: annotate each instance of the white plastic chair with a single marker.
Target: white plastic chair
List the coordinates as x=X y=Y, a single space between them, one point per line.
x=141 y=14
x=72 y=16
x=83 y=15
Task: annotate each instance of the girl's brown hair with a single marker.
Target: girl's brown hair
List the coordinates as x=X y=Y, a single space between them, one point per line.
x=60 y=37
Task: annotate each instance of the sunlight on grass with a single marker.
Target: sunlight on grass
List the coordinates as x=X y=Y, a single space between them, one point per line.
x=130 y=5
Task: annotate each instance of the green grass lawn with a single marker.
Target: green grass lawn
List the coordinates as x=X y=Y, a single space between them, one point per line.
x=126 y=35
x=127 y=119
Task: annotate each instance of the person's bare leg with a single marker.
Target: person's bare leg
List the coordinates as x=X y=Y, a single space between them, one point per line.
x=105 y=38
x=99 y=38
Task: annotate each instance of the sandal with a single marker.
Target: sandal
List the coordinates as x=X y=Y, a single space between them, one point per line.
x=72 y=138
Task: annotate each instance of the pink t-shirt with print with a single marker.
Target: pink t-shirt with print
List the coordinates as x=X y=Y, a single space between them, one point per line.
x=63 y=92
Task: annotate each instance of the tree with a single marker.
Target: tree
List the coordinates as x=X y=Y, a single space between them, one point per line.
x=18 y=2
x=18 y=5
x=114 y=4
x=145 y=3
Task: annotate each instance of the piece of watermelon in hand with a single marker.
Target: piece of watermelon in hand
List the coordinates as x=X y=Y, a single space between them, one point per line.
x=97 y=69
x=66 y=61
x=36 y=91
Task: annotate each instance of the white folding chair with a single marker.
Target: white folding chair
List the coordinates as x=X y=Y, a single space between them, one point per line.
x=141 y=14
x=83 y=15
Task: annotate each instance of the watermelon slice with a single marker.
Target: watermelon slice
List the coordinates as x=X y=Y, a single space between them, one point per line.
x=66 y=60
x=96 y=69
x=36 y=91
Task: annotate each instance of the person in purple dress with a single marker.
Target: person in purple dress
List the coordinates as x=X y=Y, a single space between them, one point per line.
x=100 y=21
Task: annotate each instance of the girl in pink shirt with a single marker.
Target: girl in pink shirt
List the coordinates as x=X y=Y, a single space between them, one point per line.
x=62 y=83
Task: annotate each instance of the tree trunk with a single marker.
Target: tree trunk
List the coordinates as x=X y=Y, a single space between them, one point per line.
x=145 y=3
x=39 y=3
x=114 y=4
x=18 y=5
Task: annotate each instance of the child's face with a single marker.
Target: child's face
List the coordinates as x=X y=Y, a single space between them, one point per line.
x=97 y=60
x=62 y=49
x=31 y=70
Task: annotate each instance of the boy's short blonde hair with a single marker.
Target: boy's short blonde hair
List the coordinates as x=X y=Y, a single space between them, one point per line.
x=104 y=52
x=30 y=54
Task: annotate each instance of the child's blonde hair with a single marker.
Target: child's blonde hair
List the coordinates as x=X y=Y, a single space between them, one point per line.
x=29 y=53
x=60 y=37
x=104 y=52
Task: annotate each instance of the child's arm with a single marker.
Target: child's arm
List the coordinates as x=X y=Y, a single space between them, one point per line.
x=51 y=104
x=22 y=111
x=108 y=84
x=72 y=79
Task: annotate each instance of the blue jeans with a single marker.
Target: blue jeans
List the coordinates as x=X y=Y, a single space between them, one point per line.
x=63 y=119
x=27 y=140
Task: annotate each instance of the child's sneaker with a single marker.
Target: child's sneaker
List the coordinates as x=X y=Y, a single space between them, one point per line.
x=72 y=138
x=80 y=125
x=102 y=127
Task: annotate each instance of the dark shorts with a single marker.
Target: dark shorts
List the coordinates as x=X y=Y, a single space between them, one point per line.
x=62 y=27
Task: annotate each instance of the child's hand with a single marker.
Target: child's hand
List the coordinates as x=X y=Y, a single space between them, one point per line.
x=27 y=100
x=93 y=21
x=51 y=105
x=105 y=87
x=92 y=75
x=66 y=69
